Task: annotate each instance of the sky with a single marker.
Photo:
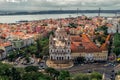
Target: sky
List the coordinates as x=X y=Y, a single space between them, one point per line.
x=37 y=5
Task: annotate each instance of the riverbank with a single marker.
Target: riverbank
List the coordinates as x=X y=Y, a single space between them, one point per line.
x=16 y=18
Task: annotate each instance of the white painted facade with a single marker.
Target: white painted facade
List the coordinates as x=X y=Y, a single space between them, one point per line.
x=59 y=45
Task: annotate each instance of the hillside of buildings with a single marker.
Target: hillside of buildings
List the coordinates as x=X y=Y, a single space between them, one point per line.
x=29 y=43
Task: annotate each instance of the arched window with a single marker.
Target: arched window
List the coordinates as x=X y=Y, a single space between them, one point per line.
x=51 y=58
x=51 y=42
x=57 y=58
x=62 y=58
x=68 y=43
x=68 y=50
x=68 y=58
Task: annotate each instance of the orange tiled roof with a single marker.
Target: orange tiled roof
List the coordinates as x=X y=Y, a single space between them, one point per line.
x=84 y=44
x=5 y=44
x=104 y=45
x=19 y=33
x=109 y=25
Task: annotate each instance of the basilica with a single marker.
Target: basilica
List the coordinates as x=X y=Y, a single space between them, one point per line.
x=60 y=46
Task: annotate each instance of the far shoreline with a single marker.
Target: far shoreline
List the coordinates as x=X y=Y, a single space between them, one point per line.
x=16 y=18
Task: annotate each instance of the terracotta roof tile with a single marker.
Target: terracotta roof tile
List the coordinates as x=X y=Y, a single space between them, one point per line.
x=5 y=44
x=104 y=45
x=84 y=44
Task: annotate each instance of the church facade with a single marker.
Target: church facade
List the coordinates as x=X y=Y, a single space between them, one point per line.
x=60 y=46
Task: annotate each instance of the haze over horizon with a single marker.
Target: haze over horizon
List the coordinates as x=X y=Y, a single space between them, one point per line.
x=37 y=5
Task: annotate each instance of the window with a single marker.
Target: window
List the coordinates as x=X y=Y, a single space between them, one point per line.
x=57 y=58
x=68 y=43
x=51 y=57
x=52 y=50
x=68 y=58
x=62 y=58
x=68 y=50
x=60 y=37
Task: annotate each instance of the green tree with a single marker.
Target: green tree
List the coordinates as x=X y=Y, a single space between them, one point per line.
x=51 y=32
x=96 y=75
x=73 y=25
x=32 y=49
x=42 y=47
x=45 y=51
x=49 y=70
x=30 y=76
x=31 y=68
x=8 y=72
x=81 y=77
x=117 y=51
x=45 y=77
x=27 y=58
x=80 y=59
x=4 y=78
x=22 y=52
x=15 y=74
x=116 y=41
x=21 y=70
x=56 y=74
x=52 y=72
x=64 y=75
x=12 y=55
x=35 y=76
x=39 y=48
x=4 y=68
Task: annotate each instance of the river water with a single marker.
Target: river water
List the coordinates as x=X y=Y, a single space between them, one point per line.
x=15 y=18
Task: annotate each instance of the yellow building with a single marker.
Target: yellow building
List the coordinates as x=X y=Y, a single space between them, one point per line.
x=82 y=46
